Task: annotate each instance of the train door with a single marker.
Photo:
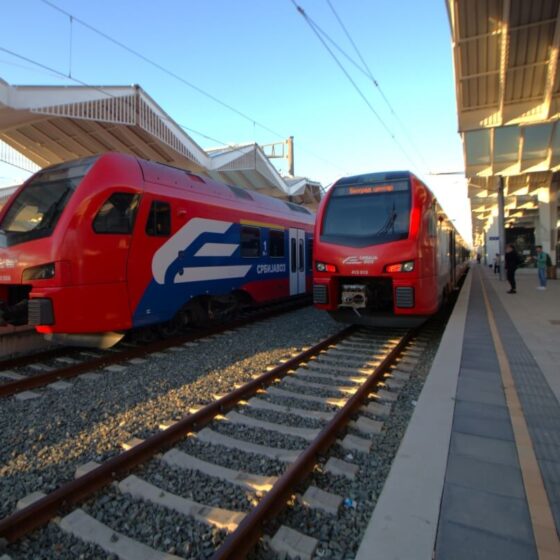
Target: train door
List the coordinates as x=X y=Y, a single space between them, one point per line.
x=452 y=258
x=153 y=229
x=297 y=261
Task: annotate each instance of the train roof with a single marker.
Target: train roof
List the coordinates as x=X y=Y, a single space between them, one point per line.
x=178 y=178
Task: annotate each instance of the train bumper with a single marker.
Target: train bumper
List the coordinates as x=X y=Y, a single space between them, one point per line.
x=79 y=309
x=384 y=296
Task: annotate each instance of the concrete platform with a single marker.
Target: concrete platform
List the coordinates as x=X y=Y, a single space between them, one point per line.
x=477 y=474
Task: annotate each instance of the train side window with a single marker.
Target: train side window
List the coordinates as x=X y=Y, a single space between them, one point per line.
x=293 y=255
x=117 y=214
x=301 y=255
x=276 y=242
x=159 y=219
x=250 y=242
x=432 y=223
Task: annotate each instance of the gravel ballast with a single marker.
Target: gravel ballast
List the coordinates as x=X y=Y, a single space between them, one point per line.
x=43 y=440
x=66 y=432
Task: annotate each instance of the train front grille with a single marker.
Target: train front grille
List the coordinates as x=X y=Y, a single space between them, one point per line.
x=404 y=297
x=40 y=312
x=320 y=294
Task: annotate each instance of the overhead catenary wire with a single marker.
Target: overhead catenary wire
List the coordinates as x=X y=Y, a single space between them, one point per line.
x=174 y=75
x=233 y=148
x=161 y=68
x=315 y=30
x=376 y=84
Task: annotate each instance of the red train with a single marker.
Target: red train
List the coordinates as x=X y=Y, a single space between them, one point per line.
x=385 y=254
x=110 y=243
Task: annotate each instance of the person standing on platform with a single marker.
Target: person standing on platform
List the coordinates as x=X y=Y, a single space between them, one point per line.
x=512 y=261
x=543 y=261
x=497 y=264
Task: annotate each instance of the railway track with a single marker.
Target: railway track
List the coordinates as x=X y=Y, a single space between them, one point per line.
x=254 y=446
x=18 y=376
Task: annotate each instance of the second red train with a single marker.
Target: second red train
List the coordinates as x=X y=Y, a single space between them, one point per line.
x=385 y=253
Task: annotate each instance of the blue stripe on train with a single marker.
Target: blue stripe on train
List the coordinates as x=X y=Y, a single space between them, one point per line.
x=161 y=302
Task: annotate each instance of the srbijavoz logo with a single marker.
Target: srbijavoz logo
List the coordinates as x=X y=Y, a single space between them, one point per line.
x=365 y=259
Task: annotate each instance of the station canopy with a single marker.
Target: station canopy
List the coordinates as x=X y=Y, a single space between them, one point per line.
x=508 y=98
x=44 y=125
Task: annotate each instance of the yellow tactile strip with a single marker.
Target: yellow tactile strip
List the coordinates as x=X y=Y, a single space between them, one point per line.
x=544 y=529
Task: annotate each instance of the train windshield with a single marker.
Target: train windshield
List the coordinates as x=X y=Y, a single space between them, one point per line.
x=35 y=211
x=367 y=214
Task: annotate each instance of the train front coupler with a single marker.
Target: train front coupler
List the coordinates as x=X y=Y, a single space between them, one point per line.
x=15 y=315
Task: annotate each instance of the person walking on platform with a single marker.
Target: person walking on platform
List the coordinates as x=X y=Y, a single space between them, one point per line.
x=512 y=261
x=543 y=262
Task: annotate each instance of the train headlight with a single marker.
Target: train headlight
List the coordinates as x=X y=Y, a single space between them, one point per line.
x=42 y=272
x=407 y=266
x=325 y=267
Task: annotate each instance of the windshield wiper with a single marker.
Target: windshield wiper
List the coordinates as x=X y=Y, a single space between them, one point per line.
x=389 y=224
x=53 y=212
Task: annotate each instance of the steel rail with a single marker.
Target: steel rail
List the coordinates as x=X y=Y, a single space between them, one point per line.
x=22 y=361
x=238 y=543
x=42 y=379
x=38 y=513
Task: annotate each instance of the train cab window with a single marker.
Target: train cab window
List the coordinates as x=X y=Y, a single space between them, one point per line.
x=250 y=242
x=276 y=243
x=117 y=214
x=367 y=214
x=35 y=210
x=159 y=219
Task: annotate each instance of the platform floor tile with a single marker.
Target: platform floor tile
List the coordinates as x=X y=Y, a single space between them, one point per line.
x=493 y=451
x=482 y=376
x=540 y=405
x=458 y=545
x=476 y=426
x=503 y=516
x=485 y=477
x=470 y=390
x=481 y=410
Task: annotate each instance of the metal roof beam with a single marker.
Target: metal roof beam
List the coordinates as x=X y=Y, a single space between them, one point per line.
x=464 y=40
x=52 y=130
x=552 y=68
x=504 y=58
x=105 y=137
x=457 y=67
x=49 y=143
x=479 y=75
x=137 y=145
x=82 y=136
x=19 y=141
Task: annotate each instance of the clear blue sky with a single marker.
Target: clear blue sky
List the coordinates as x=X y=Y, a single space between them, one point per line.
x=262 y=58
